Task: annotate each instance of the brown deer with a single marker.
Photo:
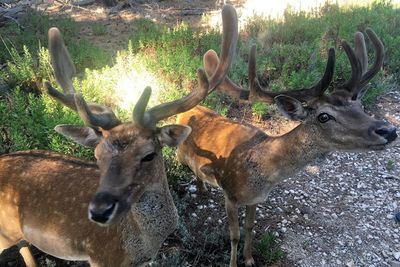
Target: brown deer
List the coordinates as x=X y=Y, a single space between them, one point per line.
x=44 y=196
x=247 y=163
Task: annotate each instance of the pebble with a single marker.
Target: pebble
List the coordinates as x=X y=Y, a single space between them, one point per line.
x=396 y=255
x=390 y=216
x=192 y=189
x=397 y=216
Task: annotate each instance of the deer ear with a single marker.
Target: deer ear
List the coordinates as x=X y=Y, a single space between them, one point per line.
x=80 y=134
x=291 y=108
x=173 y=135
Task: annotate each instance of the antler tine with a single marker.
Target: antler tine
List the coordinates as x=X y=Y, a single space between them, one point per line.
x=64 y=70
x=355 y=64
x=150 y=118
x=379 y=49
x=139 y=114
x=361 y=51
x=104 y=117
x=256 y=92
x=229 y=41
x=305 y=95
x=210 y=62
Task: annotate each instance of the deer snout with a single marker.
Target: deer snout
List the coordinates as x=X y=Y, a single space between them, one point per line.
x=102 y=208
x=386 y=131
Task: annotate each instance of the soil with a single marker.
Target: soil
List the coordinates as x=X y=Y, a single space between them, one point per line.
x=339 y=211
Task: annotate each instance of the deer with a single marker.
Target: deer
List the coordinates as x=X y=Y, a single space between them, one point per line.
x=118 y=210
x=247 y=163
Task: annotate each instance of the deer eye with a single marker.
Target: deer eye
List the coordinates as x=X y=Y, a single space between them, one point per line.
x=324 y=117
x=149 y=157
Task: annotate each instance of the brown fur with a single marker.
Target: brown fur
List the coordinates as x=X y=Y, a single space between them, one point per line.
x=45 y=197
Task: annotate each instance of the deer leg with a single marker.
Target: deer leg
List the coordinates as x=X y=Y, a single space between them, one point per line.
x=248 y=241
x=27 y=255
x=200 y=185
x=234 y=232
x=23 y=250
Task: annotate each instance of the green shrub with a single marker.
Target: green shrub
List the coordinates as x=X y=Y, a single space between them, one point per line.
x=99 y=29
x=27 y=122
x=34 y=34
x=268 y=249
x=259 y=109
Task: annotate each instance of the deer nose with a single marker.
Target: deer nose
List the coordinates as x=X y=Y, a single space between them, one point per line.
x=102 y=208
x=387 y=132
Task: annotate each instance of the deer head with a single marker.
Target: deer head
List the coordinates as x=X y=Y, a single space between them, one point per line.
x=337 y=120
x=128 y=154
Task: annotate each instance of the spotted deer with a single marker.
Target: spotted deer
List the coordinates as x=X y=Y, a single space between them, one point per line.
x=247 y=163
x=47 y=197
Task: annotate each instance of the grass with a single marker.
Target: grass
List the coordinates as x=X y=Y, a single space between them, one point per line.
x=99 y=29
x=260 y=109
x=268 y=249
x=390 y=165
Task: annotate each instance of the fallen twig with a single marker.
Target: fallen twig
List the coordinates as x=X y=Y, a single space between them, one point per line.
x=389 y=176
x=16 y=22
x=74 y=6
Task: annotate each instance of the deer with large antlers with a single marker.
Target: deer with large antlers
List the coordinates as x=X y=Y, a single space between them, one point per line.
x=247 y=163
x=46 y=197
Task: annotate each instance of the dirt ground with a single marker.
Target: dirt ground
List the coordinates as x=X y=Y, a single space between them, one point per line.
x=337 y=212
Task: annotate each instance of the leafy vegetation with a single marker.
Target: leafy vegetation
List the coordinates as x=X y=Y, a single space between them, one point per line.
x=260 y=109
x=268 y=248
x=99 y=29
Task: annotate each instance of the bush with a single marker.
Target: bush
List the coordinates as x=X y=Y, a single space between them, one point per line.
x=268 y=249
x=27 y=122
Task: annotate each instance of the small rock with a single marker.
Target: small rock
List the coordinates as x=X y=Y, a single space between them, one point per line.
x=396 y=255
x=220 y=221
x=192 y=189
x=193 y=195
x=397 y=216
x=350 y=264
x=194 y=215
x=390 y=216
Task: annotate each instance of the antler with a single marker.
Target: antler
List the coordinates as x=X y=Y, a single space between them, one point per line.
x=360 y=74
x=305 y=95
x=256 y=92
x=148 y=119
x=64 y=70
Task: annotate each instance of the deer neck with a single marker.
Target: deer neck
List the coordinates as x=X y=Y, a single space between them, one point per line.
x=289 y=153
x=150 y=221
